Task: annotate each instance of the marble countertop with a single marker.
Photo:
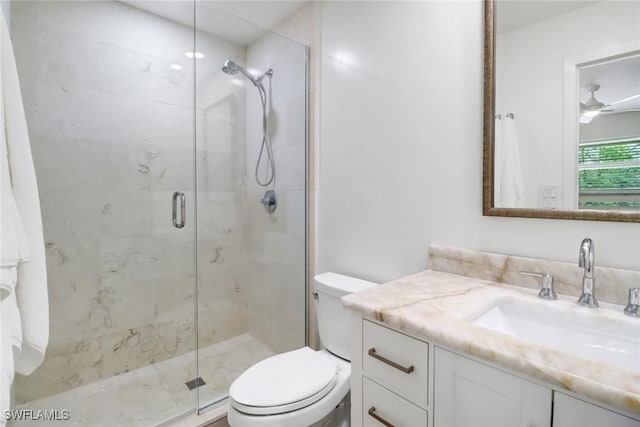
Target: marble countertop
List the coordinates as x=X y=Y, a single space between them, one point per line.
x=436 y=305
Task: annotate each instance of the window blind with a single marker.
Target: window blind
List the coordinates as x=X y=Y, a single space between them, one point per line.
x=609 y=173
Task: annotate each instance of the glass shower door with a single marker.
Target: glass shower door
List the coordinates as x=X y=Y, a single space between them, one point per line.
x=251 y=253
x=108 y=89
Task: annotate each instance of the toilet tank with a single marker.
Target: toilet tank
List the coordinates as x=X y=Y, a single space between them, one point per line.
x=334 y=324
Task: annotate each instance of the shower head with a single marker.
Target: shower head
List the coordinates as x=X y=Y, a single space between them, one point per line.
x=269 y=199
x=232 y=68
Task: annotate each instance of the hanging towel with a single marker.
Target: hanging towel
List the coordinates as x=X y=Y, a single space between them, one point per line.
x=511 y=182
x=13 y=250
x=13 y=239
x=7 y=316
x=30 y=291
x=10 y=341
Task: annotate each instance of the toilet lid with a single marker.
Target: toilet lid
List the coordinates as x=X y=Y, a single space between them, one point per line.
x=284 y=383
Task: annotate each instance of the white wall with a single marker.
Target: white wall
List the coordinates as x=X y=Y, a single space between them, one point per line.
x=530 y=84
x=5 y=7
x=401 y=147
x=610 y=126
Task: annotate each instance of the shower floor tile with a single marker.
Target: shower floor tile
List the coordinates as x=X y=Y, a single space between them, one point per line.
x=151 y=395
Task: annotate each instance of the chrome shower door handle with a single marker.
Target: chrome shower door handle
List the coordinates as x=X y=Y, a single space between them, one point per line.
x=179 y=195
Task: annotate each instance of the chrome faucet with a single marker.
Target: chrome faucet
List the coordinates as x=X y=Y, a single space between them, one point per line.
x=586 y=260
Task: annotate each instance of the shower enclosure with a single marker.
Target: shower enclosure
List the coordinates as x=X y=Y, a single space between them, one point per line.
x=167 y=276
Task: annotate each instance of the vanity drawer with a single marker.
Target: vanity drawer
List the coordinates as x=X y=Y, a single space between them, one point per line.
x=377 y=401
x=396 y=361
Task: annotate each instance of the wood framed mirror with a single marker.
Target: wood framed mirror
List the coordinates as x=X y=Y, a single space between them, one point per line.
x=559 y=194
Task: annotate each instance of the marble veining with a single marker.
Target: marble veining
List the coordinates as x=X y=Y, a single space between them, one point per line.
x=156 y=393
x=437 y=305
x=612 y=284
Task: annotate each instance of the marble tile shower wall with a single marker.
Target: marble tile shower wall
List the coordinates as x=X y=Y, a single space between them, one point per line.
x=220 y=117
x=111 y=126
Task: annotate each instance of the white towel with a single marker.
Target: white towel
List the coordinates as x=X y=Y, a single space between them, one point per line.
x=13 y=250
x=31 y=286
x=511 y=181
x=13 y=240
x=8 y=326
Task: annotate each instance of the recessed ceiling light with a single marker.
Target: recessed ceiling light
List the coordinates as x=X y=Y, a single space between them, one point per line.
x=176 y=67
x=197 y=55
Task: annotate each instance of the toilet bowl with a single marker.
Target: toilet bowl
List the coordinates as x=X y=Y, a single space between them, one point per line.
x=303 y=387
x=273 y=404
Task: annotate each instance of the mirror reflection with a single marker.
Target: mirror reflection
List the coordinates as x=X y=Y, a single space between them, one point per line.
x=567 y=105
x=608 y=134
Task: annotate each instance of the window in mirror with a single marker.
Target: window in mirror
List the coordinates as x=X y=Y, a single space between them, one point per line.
x=609 y=134
x=609 y=174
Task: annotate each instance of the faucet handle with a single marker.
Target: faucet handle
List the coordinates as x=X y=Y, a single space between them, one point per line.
x=633 y=307
x=546 y=292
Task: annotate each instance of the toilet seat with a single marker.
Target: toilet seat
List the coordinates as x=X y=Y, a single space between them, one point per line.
x=284 y=383
x=311 y=415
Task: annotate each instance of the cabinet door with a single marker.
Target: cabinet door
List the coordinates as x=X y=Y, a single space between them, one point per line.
x=471 y=394
x=380 y=406
x=571 y=412
x=399 y=349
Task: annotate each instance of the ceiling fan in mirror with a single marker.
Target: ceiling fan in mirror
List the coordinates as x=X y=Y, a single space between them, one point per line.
x=592 y=107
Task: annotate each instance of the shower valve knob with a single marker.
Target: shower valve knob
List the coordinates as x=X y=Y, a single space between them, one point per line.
x=269 y=201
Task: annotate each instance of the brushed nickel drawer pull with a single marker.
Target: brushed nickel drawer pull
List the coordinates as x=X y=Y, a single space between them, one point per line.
x=372 y=413
x=372 y=353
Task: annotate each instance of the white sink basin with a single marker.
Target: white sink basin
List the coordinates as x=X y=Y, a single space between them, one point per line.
x=597 y=334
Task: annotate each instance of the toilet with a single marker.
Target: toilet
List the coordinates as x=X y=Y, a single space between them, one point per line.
x=303 y=387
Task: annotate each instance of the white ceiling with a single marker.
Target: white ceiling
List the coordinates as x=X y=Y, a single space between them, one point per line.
x=238 y=21
x=618 y=79
x=514 y=14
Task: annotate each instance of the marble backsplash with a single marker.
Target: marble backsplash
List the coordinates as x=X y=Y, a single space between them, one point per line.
x=612 y=285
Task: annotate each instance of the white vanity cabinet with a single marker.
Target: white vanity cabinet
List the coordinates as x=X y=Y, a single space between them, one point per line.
x=407 y=381
x=381 y=405
x=394 y=378
x=469 y=393
x=571 y=412
x=396 y=361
